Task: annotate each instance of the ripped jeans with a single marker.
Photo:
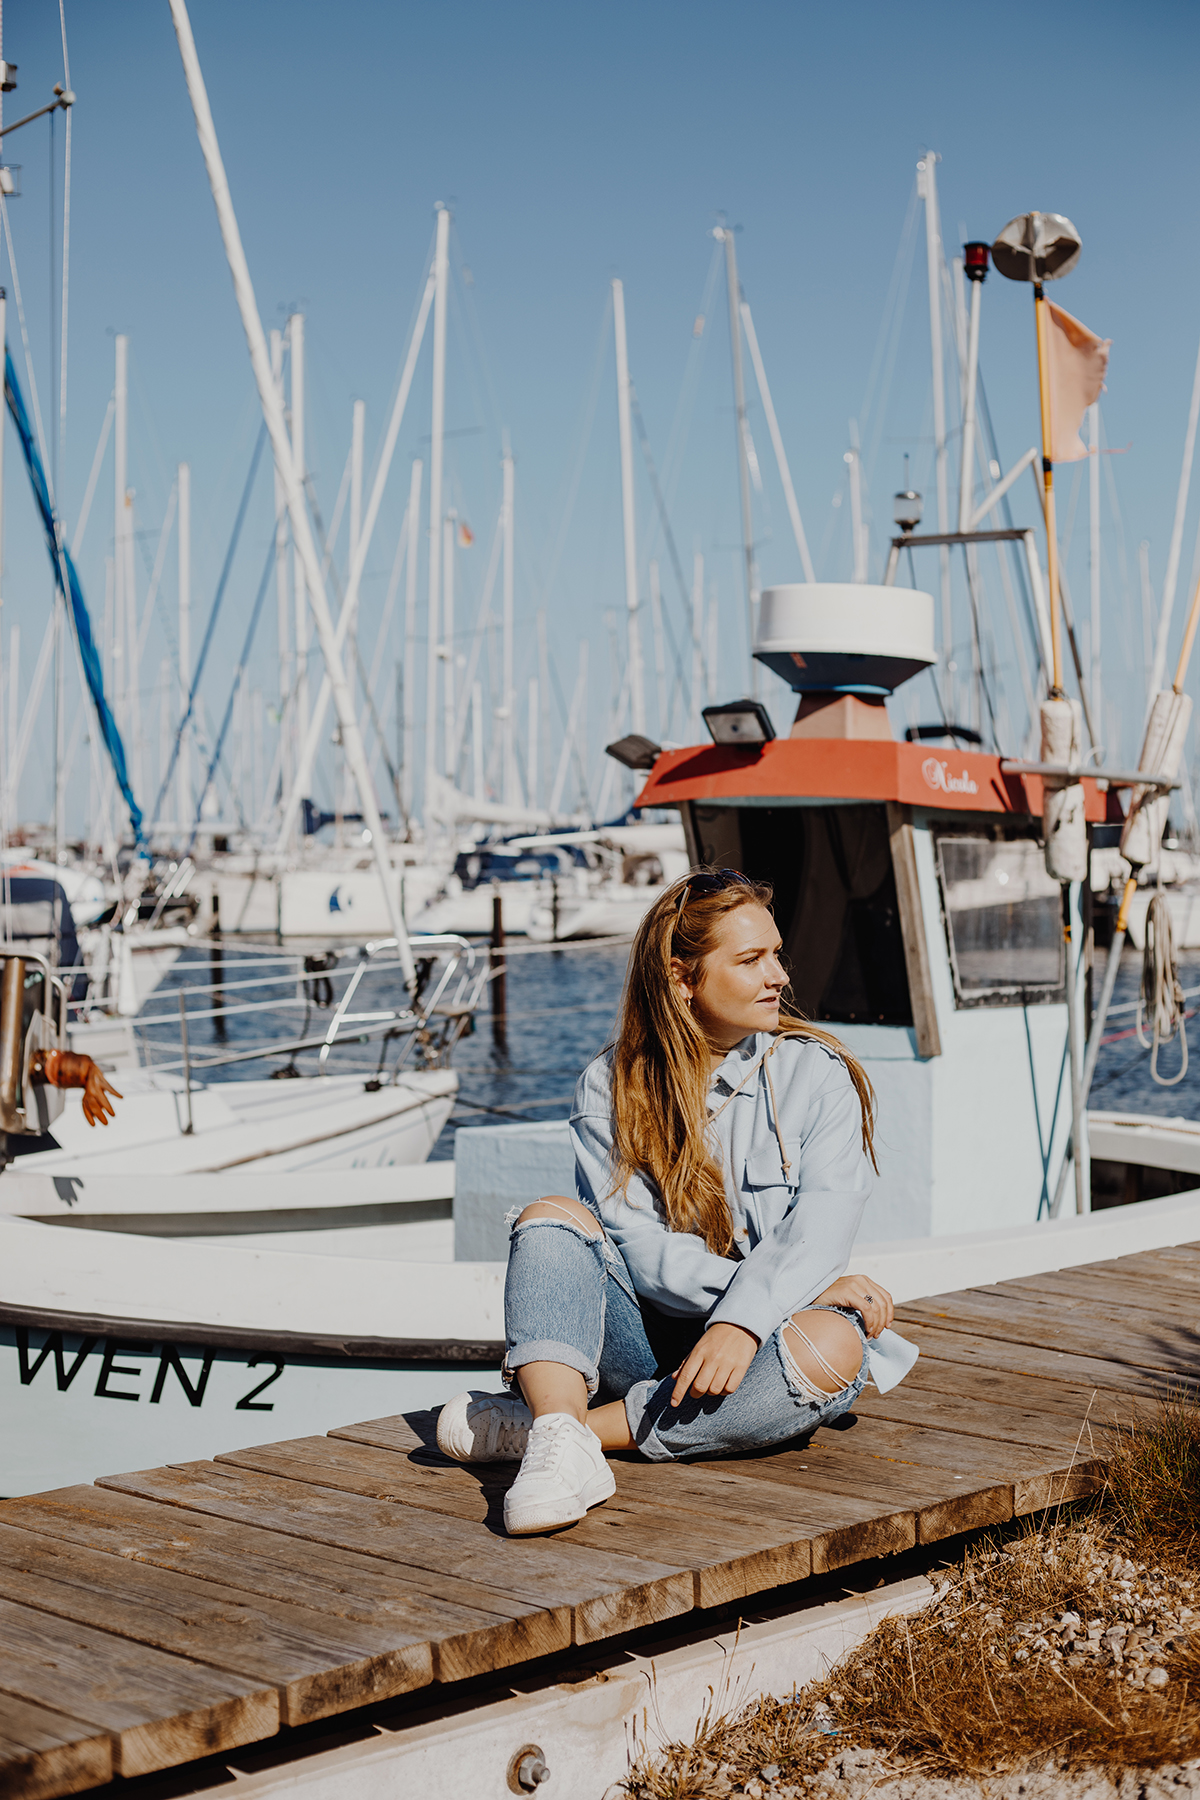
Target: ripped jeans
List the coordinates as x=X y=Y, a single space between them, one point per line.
x=568 y=1298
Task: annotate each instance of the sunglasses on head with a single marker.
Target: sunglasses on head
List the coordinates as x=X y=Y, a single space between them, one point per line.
x=711 y=881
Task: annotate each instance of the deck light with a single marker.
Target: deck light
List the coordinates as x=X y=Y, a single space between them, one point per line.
x=907 y=505
x=635 y=751
x=739 y=722
x=975 y=261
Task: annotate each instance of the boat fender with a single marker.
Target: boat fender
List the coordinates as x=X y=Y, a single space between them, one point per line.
x=70 y=1069
x=1064 y=826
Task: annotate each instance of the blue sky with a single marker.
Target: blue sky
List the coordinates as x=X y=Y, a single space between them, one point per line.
x=574 y=144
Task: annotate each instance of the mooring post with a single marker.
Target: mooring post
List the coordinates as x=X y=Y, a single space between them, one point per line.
x=187 y=1062
x=499 y=976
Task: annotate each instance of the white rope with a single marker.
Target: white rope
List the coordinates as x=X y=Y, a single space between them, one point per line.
x=1161 y=995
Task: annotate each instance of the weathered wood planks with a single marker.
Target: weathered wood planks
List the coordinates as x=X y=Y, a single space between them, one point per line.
x=166 y=1614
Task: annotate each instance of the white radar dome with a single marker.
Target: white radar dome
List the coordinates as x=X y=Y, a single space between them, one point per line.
x=844 y=637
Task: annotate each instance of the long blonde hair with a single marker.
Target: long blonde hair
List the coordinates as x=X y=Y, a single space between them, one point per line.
x=661 y=1071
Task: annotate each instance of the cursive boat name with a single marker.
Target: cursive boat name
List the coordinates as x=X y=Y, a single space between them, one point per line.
x=938 y=777
x=117 y=1373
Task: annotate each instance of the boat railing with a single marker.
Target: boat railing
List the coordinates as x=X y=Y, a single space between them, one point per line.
x=459 y=956
x=451 y=978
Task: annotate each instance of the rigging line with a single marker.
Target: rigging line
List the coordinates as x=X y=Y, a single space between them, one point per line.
x=93 y=478
x=33 y=393
x=901 y=268
x=389 y=603
x=238 y=676
x=983 y=414
x=212 y=621
x=482 y=619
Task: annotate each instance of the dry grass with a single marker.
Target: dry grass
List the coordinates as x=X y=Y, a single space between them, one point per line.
x=1072 y=1642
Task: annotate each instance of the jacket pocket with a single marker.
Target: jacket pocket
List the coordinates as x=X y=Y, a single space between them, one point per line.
x=764 y=1166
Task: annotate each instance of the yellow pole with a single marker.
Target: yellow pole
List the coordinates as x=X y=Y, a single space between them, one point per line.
x=1189 y=638
x=1043 y=348
x=1123 y=914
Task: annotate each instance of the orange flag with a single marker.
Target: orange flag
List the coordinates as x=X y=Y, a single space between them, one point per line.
x=1078 y=363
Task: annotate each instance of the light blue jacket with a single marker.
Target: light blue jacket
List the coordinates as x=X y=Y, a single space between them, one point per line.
x=793 y=1232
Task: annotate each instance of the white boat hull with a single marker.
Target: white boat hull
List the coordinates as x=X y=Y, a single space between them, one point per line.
x=319 y=1122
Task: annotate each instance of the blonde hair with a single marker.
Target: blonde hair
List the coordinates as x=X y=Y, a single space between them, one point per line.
x=661 y=1068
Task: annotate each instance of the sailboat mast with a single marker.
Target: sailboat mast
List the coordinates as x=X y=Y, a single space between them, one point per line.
x=282 y=621
x=120 y=476
x=436 y=451
x=409 y=675
x=185 y=642
x=739 y=402
x=508 y=696
x=927 y=189
x=637 y=684
x=296 y=358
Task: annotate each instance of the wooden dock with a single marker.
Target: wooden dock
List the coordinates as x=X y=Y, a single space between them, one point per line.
x=158 y=1617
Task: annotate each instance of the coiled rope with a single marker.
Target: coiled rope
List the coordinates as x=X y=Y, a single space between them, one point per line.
x=1161 y=997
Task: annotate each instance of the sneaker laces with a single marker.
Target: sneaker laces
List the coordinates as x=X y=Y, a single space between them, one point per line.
x=506 y=1430
x=548 y=1441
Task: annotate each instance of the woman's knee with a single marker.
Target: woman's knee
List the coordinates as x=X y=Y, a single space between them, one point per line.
x=558 y=1206
x=825 y=1347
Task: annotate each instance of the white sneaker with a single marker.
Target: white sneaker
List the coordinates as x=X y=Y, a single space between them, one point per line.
x=562 y=1473
x=477 y=1427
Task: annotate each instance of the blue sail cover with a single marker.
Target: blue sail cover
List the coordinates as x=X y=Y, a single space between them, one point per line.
x=68 y=586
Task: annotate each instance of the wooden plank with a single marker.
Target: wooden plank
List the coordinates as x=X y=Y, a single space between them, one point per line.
x=1036 y=1477
x=730 y=1555
x=1119 y=1293
x=319 y=1665
x=1024 y=1332
x=473 y=1629
x=158 y=1710
x=912 y=930
x=986 y=1388
x=44 y=1753
x=950 y=1344
x=1164 y=1344
x=607 y=1593
x=980 y=1418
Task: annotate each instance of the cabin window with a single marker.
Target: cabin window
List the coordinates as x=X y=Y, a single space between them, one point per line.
x=1003 y=917
x=835 y=901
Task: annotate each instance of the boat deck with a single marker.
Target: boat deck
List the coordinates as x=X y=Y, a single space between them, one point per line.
x=159 y=1617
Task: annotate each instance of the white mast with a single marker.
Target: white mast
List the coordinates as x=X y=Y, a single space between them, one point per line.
x=1094 y=558
x=743 y=427
x=508 y=761
x=185 y=642
x=637 y=693
x=286 y=463
x=531 y=767
x=448 y=528
x=356 y=473
x=966 y=483
x=477 y=739
x=927 y=189
x=436 y=450
x=409 y=738
x=296 y=348
x=287 y=723
x=1172 y=574
x=120 y=483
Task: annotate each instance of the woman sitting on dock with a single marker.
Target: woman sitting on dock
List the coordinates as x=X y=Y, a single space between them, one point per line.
x=696 y=1287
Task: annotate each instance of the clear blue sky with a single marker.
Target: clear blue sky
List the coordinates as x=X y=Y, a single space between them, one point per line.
x=574 y=144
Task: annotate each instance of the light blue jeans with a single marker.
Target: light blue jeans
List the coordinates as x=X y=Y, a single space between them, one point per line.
x=568 y=1298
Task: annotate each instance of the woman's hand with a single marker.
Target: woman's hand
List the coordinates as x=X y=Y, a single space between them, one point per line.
x=717 y=1364
x=864 y=1294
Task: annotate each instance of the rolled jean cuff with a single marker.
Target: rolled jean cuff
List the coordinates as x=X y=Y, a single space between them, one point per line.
x=546 y=1350
x=644 y=1435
